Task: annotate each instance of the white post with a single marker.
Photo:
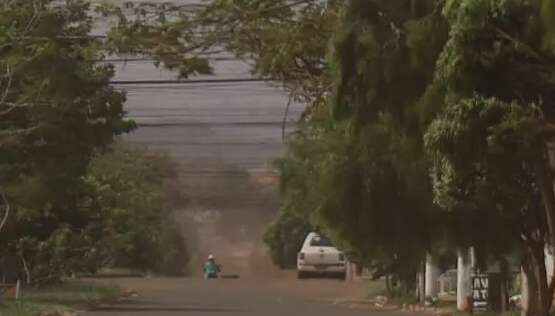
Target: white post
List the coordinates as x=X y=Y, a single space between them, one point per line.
x=549 y=262
x=421 y=286
x=524 y=294
x=432 y=275
x=17 y=289
x=464 y=270
x=350 y=273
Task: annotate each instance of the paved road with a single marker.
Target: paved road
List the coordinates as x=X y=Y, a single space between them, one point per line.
x=168 y=297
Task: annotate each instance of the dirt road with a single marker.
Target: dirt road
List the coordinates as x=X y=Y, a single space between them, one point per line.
x=283 y=297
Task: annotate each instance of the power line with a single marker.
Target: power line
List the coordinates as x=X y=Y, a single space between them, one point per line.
x=196 y=81
x=257 y=87
x=147 y=59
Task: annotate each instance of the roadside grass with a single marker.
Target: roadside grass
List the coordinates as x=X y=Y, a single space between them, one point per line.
x=376 y=288
x=28 y=308
x=57 y=300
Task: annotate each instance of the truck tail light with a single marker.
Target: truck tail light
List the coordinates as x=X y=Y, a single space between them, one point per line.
x=301 y=256
x=341 y=257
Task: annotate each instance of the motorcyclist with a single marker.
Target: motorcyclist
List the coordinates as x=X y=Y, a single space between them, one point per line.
x=211 y=269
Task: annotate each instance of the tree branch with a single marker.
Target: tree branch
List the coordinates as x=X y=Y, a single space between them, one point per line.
x=17 y=132
x=285 y=116
x=518 y=43
x=8 y=85
x=6 y=204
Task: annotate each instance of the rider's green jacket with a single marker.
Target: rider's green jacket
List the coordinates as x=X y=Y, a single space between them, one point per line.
x=211 y=267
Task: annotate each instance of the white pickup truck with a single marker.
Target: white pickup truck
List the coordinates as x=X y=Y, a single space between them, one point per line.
x=319 y=257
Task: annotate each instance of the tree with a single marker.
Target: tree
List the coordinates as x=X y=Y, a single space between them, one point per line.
x=165 y=32
x=56 y=109
x=285 y=41
x=130 y=197
x=490 y=145
x=359 y=169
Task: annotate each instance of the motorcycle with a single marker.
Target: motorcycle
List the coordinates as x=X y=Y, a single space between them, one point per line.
x=211 y=276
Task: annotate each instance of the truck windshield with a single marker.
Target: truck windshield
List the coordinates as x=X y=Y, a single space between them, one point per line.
x=320 y=241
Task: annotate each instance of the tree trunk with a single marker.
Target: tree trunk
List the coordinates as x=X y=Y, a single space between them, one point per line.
x=464 y=272
x=388 y=285
x=545 y=183
x=27 y=272
x=535 y=296
x=550 y=273
x=504 y=269
x=528 y=299
x=548 y=181
x=4 y=202
x=551 y=287
x=422 y=283
x=504 y=295
x=432 y=275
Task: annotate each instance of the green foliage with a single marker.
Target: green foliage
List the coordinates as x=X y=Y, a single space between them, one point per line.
x=124 y=218
x=72 y=293
x=484 y=152
x=287 y=41
x=489 y=145
x=548 y=16
x=24 y=308
x=284 y=41
x=62 y=299
x=130 y=198
x=361 y=173
x=160 y=30
x=50 y=85
x=56 y=109
x=285 y=237
x=74 y=207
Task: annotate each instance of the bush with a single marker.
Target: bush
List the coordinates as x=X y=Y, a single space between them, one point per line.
x=285 y=237
x=135 y=193
x=173 y=254
x=123 y=217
